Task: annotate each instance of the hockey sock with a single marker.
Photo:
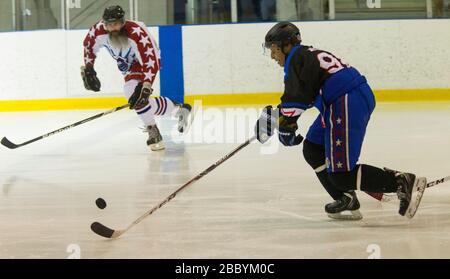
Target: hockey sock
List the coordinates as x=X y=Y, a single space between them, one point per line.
x=156 y=106
x=365 y=178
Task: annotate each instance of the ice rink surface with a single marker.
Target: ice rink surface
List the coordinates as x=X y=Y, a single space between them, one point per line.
x=255 y=205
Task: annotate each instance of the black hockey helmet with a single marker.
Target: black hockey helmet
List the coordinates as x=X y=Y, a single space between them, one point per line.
x=282 y=34
x=114 y=13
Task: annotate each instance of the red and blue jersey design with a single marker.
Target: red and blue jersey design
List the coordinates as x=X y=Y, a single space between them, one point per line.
x=139 y=59
x=341 y=127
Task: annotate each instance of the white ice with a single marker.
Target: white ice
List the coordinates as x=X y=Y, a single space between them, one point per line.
x=253 y=206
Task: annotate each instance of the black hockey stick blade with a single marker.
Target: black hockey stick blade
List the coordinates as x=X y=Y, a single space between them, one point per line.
x=102 y=230
x=9 y=144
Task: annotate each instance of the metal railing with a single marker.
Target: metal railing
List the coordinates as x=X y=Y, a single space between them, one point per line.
x=68 y=14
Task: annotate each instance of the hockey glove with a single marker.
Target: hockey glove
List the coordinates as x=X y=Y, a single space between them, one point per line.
x=90 y=80
x=286 y=131
x=266 y=124
x=139 y=99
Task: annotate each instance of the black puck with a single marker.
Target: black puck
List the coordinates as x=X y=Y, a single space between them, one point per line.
x=100 y=203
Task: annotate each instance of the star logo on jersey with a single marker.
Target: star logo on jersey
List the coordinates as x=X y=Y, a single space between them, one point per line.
x=138 y=31
x=99 y=25
x=149 y=51
x=338 y=142
x=92 y=32
x=339 y=165
x=150 y=64
x=145 y=41
x=148 y=76
x=88 y=60
x=339 y=121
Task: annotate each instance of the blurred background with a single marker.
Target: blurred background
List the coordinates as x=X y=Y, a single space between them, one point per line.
x=79 y=14
x=206 y=58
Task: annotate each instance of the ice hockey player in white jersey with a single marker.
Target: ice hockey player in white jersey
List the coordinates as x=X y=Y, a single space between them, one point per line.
x=138 y=58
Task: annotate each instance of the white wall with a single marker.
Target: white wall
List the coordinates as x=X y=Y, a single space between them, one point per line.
x=33 y=68
x=228 y=58
x=46 y=64
x=391 y=54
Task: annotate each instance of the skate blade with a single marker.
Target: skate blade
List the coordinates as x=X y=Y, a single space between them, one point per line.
x=157 y=146
x=188 y=123
x=418 y=192
x=353 y=216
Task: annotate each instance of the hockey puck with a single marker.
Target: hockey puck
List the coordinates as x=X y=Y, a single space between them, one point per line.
x=101 y=203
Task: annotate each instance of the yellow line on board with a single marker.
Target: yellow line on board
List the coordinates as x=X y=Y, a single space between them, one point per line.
x=235 y=99
x=390 y=95
x=413 y=95
x=62 y=104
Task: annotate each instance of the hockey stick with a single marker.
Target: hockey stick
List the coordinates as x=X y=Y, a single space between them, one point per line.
x=104 y=231
x=386 y=198
x=12 y=145
x=438 y=181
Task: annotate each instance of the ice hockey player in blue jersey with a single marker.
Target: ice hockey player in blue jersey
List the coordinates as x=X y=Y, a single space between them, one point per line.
x=317 y=78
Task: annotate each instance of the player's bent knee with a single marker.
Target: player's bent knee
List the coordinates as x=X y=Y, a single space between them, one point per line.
x=344 y=181
x=314 y=155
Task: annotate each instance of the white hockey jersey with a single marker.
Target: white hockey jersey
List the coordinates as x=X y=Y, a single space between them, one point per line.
x=139 y=60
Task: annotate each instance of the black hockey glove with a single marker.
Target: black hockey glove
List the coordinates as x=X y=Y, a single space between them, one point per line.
x=266 y=124
x=90 y=80
x=140 y=96
x=286 y=131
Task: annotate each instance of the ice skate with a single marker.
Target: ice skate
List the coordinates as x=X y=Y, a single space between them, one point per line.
x=345 y=208
x=154 y=140
x=184 y=118
x=410 y=192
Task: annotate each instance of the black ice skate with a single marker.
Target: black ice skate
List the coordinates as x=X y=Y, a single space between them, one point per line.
x=154 y=138
x=348 y=204
x=410 y=192
x=184 y=120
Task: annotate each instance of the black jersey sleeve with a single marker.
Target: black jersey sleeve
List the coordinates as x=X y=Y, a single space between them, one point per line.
x=302 y=80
